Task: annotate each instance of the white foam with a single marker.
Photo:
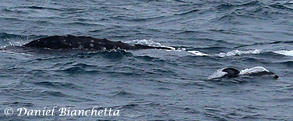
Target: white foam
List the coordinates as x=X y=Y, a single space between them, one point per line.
x=150 y=43
x=197 y=53
x=256 y=69
x=239 y=52
x=147 y=42
x=218 y=74
x=11 y=43
x=285 y=52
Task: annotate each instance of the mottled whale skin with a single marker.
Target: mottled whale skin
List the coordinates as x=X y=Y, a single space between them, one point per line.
x=84 y=42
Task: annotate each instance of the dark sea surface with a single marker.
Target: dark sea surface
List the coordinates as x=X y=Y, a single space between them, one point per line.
x=206 y=35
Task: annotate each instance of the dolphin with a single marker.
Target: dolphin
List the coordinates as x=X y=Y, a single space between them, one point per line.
x=232 y=73
x=84 y=42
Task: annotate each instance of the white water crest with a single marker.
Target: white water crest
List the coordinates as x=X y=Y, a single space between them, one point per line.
x=149 y=43
x=239 y=52
x=285 y=52
x=197 y=53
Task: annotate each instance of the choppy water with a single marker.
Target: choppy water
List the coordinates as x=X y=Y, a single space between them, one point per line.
x=151 y=84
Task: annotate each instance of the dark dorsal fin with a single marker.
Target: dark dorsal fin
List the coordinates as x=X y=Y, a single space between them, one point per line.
x=231 y=72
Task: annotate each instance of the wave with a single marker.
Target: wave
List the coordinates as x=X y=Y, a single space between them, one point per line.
x=124 y=93
x=251 y=3
x=114 y=54
x=227 y=54
x=266 y=43
x=188 y=12
x=281 y=7
x=285 y=52
x=54 y=93
x=7 y=35
x=259 y=4
x=287 y=63
x=59 y=85
x=239 y=52
x=26 y=104
x=197 y=53
x=243 y=52
x=146 y=19
x=80 y=68
x=230 y=5
x=82 y=23
x=39 y=8
x=7 y=39
x=251 y=10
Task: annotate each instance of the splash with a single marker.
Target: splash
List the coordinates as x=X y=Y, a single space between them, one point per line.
x=239 y=52
x=14 y=42
x=149 y=43
x=197 y=53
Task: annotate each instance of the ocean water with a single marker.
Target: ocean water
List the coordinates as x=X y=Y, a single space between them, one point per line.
x=206 y=35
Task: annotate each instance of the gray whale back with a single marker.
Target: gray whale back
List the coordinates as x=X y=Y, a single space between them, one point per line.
x=84 y=42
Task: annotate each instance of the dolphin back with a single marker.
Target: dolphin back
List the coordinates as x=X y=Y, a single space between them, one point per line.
x=231 y=72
